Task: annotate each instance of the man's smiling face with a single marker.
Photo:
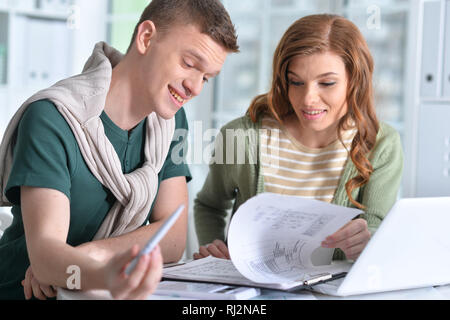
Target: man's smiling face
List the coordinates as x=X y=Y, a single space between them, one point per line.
x=175 y=66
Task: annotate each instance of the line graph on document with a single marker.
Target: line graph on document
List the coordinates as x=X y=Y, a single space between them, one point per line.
x=283 y=259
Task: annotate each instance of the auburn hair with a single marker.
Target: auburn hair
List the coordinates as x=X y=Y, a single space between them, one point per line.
x=329 y=33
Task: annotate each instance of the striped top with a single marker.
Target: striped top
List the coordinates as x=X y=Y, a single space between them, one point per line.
x=293 y=169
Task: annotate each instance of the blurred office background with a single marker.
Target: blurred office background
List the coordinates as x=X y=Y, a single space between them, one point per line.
x=42 y=41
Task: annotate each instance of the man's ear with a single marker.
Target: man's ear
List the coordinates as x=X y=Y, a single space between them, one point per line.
x=145 y=35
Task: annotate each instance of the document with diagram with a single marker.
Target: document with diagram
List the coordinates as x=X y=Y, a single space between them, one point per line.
x=275 y=242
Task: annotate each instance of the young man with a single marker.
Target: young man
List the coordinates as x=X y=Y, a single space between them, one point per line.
x=87 y=163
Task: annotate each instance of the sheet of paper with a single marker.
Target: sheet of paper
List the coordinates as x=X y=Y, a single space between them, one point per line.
x=217 y=270
x=276 y=239
x=209 y=269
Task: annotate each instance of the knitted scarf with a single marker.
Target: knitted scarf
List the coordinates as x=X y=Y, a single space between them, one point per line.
x=81 y=101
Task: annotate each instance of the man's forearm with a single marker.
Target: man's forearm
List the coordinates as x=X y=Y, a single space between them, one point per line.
x=171 y=194
x=58 y=264
x=172 y=245
x=46 y=220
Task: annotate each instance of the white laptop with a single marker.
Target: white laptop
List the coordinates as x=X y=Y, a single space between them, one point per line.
x=411 y=249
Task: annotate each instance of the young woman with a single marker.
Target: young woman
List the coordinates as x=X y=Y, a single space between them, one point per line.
x=317 y=136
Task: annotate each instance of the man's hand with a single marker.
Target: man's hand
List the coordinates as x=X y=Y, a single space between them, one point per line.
x=141 y=282
x=32 y=287
x=216 y=249
x=351 y=238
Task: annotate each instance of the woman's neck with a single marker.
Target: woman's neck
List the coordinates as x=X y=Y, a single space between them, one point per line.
x=308 y=137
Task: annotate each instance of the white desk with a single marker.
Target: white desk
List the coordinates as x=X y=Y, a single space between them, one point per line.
x=432 y=293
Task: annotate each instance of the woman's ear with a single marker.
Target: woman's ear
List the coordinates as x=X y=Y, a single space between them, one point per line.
x=145 y=35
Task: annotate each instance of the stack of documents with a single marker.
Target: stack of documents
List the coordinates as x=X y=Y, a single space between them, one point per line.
x=275 y=242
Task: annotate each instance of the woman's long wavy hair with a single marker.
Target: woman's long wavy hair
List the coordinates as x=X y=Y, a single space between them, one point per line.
x=329 y=33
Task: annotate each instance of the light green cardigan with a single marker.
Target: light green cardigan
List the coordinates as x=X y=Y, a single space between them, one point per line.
x=229 y=185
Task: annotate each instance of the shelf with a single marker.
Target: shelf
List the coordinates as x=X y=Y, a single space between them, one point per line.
x=42 y=14
x=435 y=100
x=36 y=13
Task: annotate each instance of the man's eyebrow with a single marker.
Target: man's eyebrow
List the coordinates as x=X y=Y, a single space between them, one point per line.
x=202 y=61
x=196 y=56
x=319 y=76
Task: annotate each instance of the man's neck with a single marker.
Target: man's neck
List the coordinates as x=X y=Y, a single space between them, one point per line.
x=122 y=105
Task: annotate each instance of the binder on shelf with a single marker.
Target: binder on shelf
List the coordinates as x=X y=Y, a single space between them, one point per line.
x=433 y=163
x=446 y=75
x=3 y=64
x=430 y=49
x=47 y=59
x=18 y=4
x=54 y=6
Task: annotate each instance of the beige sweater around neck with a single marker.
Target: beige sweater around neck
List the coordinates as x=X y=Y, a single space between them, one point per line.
x=81 y=101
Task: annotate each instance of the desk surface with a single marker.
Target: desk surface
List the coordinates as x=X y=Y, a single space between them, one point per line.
x=430 y=293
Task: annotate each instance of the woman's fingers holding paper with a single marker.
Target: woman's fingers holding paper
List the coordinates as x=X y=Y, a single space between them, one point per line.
x=352 y=238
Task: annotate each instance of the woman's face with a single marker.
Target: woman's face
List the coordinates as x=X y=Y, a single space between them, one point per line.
x=318 y=92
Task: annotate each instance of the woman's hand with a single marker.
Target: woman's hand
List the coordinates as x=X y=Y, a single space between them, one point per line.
x=32 y=287
x=216 y=249
x=141 y=282
x=351 y=238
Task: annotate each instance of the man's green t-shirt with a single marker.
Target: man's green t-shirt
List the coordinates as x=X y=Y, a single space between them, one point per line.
x=46 y=155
